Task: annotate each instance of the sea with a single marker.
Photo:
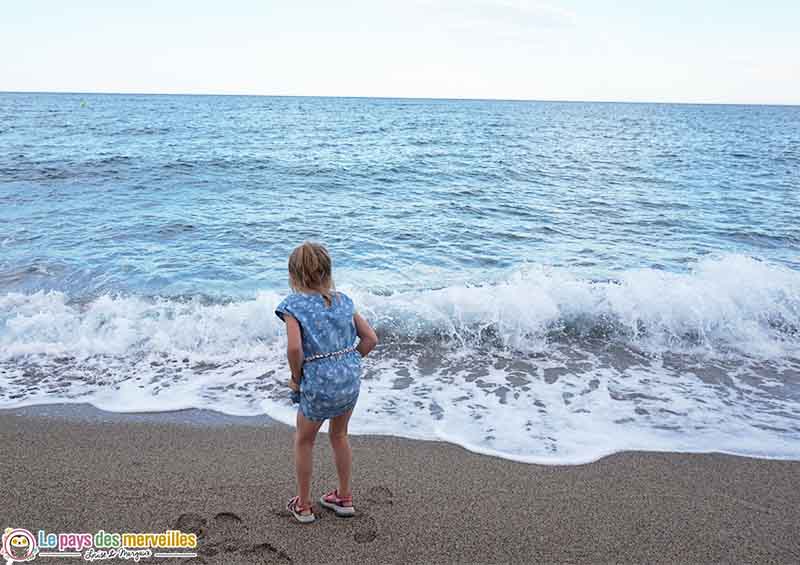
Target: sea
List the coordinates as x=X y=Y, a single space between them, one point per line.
x=551 y=282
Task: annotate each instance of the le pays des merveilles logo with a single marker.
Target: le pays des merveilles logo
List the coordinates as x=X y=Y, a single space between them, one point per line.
x=19 y=545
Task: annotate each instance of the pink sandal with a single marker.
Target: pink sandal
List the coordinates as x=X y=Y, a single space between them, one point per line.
x=297 y=510
x=342 y=505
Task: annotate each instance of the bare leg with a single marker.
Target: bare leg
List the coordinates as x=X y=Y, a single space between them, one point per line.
x=341 y=451
x=304 y=438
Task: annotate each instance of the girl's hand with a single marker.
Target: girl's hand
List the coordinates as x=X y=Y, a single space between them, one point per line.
x=295 y=388
x=367 y=339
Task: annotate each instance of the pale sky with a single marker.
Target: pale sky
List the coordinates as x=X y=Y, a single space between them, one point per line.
x=734 y=51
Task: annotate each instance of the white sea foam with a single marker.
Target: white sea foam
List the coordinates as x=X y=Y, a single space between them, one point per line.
x=543 y=366
x=734 y=302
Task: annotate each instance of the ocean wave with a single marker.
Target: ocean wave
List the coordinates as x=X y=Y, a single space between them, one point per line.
x=50 y=323
x=730 y=304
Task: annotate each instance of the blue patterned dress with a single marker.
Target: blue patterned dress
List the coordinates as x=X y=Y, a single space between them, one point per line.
x=329 y=386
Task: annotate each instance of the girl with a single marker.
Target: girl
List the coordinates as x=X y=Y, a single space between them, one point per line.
x=325 y=361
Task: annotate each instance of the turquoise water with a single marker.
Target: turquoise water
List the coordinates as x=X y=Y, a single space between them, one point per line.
x=551 y=281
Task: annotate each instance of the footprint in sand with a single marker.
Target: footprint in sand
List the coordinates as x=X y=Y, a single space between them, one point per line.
x=227 y=533
x=191 y=523
x=226 y=524
x=379 y=495
x=366 y=528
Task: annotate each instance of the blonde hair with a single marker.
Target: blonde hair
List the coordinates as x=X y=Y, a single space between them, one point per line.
x=310 y=270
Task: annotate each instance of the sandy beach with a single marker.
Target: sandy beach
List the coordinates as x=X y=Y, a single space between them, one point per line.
x=418 y=502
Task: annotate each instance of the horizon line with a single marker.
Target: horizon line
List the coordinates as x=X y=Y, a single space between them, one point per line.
x=441 y=98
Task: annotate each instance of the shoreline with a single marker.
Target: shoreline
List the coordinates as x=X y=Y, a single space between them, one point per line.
x=417 y=501
x=88 y=413
x=206 y=417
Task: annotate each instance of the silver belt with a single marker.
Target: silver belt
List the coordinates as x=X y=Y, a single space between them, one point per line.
x=331 y=354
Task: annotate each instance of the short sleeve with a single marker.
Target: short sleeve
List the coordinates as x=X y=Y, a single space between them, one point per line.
x=286 y=307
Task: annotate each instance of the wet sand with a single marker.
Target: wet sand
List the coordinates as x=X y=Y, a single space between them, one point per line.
x=228 y=479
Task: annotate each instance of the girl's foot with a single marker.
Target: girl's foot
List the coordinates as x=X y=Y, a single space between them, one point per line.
x=342 y=505
x=303 y=514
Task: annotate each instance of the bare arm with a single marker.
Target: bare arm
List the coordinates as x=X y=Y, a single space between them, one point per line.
x=294 y=348
x=367 y=337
